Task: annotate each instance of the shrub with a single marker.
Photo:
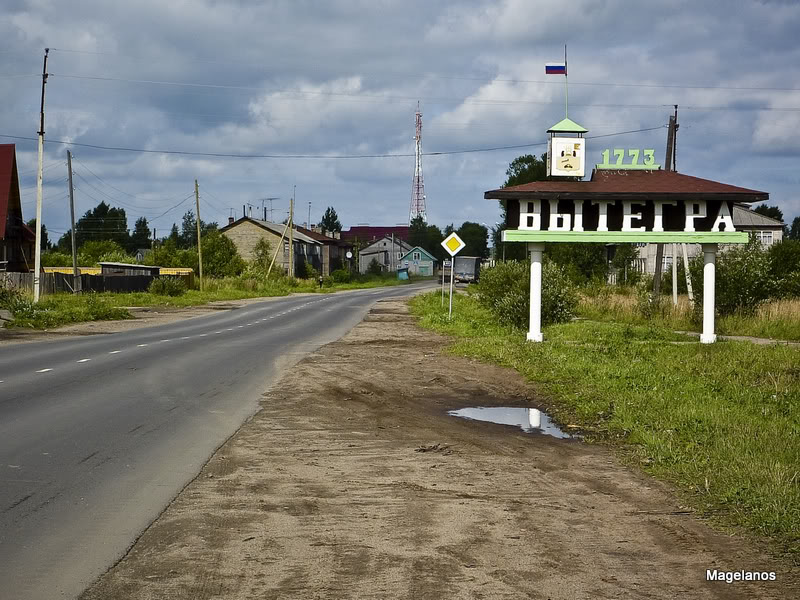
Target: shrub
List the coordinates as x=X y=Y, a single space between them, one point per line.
x=341 y=276
x=505 y=290
x=262 y=257
x=743 y=279
x=103 y=311
x=167 y=286
x=650 y=305
x=53 y=258
x=91 y=252
x=374 y=267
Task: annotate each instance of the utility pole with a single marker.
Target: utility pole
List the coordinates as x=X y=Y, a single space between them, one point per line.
x=291 y=233
x=199 y=245
x=76 y=279
x=308 y=224
x=37 y=253
x=669 y=163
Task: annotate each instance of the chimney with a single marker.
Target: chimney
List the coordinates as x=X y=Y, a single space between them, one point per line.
x=250 y=212
x=231 y=220
x=337 y=235
x=244 y=212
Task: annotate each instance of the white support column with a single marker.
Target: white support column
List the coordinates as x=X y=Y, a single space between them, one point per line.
x=535 y=330
x=709 y=273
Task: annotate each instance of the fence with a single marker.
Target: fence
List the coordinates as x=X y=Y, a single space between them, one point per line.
x=51 y=283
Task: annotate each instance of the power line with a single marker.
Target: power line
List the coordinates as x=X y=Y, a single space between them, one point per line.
x=488 y=79
x=314 y=156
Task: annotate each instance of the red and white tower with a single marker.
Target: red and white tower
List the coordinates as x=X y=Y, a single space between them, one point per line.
x=418 y=185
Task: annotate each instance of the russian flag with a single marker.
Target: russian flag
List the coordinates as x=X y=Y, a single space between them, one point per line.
x=555 y=68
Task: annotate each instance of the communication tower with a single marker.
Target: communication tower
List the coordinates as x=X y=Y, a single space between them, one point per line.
x=418 y=185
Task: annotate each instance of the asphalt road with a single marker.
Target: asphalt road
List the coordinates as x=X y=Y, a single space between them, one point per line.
x=99 y=433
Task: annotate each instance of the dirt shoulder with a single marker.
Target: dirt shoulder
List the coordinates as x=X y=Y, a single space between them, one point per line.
x=325 y=493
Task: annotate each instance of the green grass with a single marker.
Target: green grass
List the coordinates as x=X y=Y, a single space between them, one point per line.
x=720 y=421
x=62 y=309
x=777 y=319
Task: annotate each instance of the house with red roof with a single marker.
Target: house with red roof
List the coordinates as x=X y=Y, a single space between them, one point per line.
x=17 y=240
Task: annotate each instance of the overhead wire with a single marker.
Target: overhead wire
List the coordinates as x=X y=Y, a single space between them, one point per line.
x=317 y=156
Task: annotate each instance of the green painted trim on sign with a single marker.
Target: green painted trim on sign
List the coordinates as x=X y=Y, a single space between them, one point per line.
x=682 y=237
x=567 y=126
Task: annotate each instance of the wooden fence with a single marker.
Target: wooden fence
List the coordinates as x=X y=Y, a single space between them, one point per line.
x=51 y=283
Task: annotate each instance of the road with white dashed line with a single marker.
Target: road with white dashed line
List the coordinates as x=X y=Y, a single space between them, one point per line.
x=98 y=433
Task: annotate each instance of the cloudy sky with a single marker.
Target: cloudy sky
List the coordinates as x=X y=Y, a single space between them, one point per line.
x=328 y=79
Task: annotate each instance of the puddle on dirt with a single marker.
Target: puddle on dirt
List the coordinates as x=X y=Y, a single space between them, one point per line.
x=530 y=420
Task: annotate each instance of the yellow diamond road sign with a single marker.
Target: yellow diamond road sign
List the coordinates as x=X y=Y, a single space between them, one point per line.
x=453 y=244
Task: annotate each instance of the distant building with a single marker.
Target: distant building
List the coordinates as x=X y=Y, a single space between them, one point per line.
x=334 y=249
x=765 y=229
x=418 y=261
x=246 y=233
x=141 y=253
x=386 y=251
x=17 y=240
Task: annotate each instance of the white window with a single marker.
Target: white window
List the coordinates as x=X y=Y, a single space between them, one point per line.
x=399 y=255
x=416 y=255
x=765 y=237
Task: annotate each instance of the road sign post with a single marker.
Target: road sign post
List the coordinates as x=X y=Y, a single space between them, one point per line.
x=445 y=264
x=453 y=244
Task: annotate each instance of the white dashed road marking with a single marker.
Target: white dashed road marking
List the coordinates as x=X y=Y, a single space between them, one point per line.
x=141 y=345
x=43 y=370
x=115 y=351
x=84 y=360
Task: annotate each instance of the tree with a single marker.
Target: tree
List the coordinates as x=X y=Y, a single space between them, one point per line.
x=624 y=256
x=769 y=211
x=794 y=231
x=582 y=261
x=140 y=238
x=426 y=236
x=330 y=220
x=523 y=169
x=174 y=236
x=476 y=238
x=46 y=245
x=418 y=232
x=103 y=222
x=188 y=237
x=220 y=258
x=91 y=252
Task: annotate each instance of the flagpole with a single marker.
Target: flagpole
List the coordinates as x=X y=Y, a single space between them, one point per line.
x=566 y=88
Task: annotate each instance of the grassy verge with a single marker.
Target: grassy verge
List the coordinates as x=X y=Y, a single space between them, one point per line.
x=778 y=319
x=62 y=309
x=721 y=421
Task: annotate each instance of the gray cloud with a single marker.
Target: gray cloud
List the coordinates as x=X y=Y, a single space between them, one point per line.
x=344 y=78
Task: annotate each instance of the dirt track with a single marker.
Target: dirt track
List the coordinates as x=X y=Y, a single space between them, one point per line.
x=325 y=494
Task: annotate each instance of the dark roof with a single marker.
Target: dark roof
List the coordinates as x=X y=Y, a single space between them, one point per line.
x=631 y=184
x=367 y=234
x=321 y=237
